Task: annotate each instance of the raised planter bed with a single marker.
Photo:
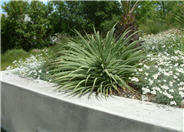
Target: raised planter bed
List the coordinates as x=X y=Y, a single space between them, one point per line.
x=33 y=106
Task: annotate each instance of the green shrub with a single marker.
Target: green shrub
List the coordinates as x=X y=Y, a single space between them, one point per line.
x=25 y=25
x=180 y=16
x=153 y=27
x=11 y=55
x=95 y=64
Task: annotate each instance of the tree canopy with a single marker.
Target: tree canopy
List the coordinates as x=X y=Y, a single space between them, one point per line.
x=31 y=24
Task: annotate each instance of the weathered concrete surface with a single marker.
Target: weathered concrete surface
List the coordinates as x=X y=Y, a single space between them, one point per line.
x=34 y=106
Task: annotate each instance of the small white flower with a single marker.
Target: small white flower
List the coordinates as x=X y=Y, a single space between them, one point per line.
x=135 y=79
x=9 y=68
x=147 y=67
x=175 y=77
x=171 y=84
x=165 y=87
x=145 y=90
x=181 y=93
x=153 y=92
x=146 y=73
x=181 y=88
x=171 y=90
x=172 y=103
x=167 y=74
x=150 y=82
x=155 y=76
x=168 y=95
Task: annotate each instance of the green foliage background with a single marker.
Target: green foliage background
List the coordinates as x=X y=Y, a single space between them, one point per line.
x=25 y=26
x=44 y=20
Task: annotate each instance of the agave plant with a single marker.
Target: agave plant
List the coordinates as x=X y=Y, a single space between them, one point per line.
x=96 y=64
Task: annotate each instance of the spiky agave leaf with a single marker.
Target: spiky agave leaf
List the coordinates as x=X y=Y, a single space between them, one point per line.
x=96 y=64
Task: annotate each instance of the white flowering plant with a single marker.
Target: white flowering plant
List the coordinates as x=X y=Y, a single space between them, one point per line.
x=32 y=67
x=163 y=77
x=168 y=41
x=161 y=74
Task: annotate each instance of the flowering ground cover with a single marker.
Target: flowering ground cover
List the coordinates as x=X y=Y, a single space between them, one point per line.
x=34 y=66
x=160 y=75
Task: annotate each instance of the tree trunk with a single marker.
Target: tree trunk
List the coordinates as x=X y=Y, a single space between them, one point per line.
x=127 y=23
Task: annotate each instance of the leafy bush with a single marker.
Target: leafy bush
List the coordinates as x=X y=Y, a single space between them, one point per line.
x=153 y=26
x=26 y=25
x=180 y=16
x=11 y=55
x=96 y=64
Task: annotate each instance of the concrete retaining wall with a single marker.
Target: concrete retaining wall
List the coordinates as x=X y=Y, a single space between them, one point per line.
x=34 y=106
